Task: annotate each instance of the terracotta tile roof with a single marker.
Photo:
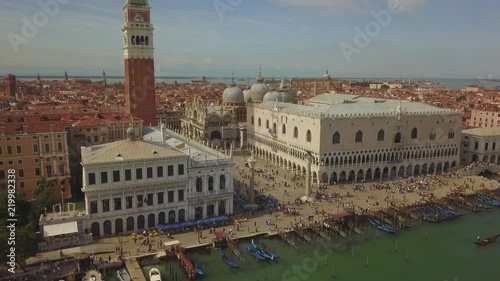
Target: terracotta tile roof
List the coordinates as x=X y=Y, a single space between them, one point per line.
x=103 y=120
x=32 y=127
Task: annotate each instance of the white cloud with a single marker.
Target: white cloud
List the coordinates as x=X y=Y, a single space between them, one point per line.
x=207 y=60
x=354 y=6
x=328 y=5
x=409 y=5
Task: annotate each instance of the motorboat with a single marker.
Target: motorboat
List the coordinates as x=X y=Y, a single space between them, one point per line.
x=154 y=274
x=123 y=275
x=92 y=275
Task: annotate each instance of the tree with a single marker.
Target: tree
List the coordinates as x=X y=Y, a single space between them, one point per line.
x=47 y=198
x=26 y=243
x=41 y=185
x=385 y=87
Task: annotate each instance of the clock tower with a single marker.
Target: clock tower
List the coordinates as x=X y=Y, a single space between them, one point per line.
x=138 y=50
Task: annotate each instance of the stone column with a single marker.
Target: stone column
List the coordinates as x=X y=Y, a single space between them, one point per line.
x=251 y=193
x=308 y=176
x=87 y=206
x=99 y=205
x=242 y=141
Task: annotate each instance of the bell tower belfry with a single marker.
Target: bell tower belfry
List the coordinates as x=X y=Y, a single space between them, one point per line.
x=138 y=53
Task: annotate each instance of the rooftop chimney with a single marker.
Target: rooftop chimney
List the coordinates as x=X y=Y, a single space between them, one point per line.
x=162 y=129
x=51 y=127
x=25 y=129
x=2 y=131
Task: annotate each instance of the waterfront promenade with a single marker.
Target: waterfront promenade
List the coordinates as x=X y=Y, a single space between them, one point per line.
x=438 y=185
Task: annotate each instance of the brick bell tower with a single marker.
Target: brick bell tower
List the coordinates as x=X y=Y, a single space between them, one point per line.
x=138 y=50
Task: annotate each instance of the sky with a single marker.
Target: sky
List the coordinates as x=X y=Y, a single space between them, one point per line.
x=292 y=38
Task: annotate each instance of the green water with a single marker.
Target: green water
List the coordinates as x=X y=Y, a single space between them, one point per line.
x=427 y=252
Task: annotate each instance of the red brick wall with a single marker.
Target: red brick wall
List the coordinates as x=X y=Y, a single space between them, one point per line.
x=140 y=89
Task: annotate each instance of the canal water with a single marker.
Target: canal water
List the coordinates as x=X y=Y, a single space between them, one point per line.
x=426 y=252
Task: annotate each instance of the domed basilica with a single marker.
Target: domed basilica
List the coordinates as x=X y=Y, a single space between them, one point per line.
x=222 y=123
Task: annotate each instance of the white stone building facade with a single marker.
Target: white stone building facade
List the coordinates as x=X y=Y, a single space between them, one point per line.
x=133 y=185
x=481 y=145
x=356 y=139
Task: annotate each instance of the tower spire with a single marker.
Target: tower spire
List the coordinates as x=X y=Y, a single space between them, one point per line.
x=233 y=84
x=260 y=79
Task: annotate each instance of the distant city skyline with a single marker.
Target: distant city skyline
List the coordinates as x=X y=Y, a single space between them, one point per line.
x=293 y=38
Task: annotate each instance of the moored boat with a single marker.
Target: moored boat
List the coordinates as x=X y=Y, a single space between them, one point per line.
x=254 y=253
x=92 y=275
x=227 y=260
x=154 y=274
x=381 y=226
x=261 y=252
x=269 y=251
x=198 y=270
x=123 y=275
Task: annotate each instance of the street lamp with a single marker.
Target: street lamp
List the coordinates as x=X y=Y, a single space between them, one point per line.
x=251 y=193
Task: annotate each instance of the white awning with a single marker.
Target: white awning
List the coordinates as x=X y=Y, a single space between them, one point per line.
x=60 y=229
x=171 y=243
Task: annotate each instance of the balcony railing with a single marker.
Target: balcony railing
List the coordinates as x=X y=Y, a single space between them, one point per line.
x=210 y=193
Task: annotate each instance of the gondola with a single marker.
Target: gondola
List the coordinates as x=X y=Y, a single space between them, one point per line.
x=255 y=253
x=381 y=226
x=486 y=241
x=261 y=252
x=268 y=251
x=227 y=260
x=197 y=268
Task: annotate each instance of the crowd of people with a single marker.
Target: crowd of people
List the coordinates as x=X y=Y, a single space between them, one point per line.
x=477 y=164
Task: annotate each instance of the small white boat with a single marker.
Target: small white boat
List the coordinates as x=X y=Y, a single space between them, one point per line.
x=154 y=274
x=92 y=275
x=123 y=275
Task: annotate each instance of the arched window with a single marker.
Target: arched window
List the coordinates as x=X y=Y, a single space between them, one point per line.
x=295 y=132
x=133 y=39
x=451 y=134
x=283 y=129
x=381 y=135
x=3 y=182
x=260 y=123
x=210 y=183
x=252 y=120
x=147 y=40
x=275 y=130
x=359 y=136
x=267 y=124
x=222 y=184
x=433 y=135
x=142 y=40
x=199 y=185
x=397 y=138
x=308 y=136
x=336 y=138
x=414 y=133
